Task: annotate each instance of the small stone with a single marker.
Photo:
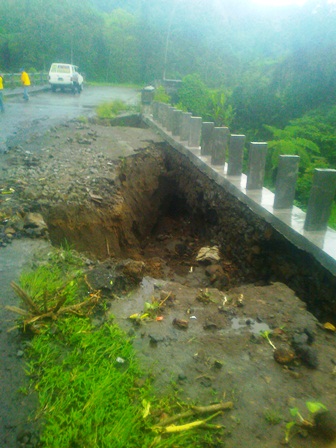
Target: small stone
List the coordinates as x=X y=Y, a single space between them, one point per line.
x=208 y=255
x=20 y=353
x=310 y=333
x=283 y=355
x=308 y=355
x=326 y=424
x=155 y=339
x=181 y=323
x=299 y=339
x=210 y=326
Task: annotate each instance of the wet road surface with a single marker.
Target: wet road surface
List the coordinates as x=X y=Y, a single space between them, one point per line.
x=21 y=120
x=15 y=407
x=45 y=109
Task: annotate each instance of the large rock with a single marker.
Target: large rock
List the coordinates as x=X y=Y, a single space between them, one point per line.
x=115 y=276
x=34 y=225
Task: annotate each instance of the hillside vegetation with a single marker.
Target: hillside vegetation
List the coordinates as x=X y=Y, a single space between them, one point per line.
x=268 y=72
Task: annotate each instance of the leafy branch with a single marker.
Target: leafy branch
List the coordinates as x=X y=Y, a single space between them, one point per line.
x=301 y=422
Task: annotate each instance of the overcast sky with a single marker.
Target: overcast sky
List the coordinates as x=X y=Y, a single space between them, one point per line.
x=284 y=2
x=279 y=2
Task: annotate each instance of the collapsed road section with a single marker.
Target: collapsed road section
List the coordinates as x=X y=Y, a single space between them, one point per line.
x=107 y=197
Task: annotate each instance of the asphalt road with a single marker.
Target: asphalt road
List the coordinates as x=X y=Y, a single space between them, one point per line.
x=20 y=120
x=46 y=109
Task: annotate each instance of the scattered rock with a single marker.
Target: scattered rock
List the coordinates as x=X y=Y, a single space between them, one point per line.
x=308 y=355
x=133 y=270
x=216 y=274
x=326 y=424
x=208 y=255
x=116 y=276
x=154 y=339
x=299 y=339
x=283 y=355
x=210 y=326
x=34 y=225
x=181 y=323
x=301 y=344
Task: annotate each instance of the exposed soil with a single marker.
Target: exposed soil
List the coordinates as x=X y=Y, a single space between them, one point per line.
x=110 y=193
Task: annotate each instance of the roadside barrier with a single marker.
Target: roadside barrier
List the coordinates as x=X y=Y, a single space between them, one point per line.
x=219 y=155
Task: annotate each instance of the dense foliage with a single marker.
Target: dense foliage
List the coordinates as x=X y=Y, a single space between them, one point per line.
x=268 y=72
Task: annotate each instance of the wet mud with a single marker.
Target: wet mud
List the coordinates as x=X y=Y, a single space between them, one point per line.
x=120 y=196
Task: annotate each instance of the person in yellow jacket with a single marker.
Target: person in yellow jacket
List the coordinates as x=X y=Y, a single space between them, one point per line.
x=25 y=82
x=2 y=108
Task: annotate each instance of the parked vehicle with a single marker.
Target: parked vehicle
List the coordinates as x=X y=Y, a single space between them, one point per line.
x=65 y=76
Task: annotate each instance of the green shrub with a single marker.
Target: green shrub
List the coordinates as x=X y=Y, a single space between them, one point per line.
x=161 y=95
x=112 y=109
x=194 y=96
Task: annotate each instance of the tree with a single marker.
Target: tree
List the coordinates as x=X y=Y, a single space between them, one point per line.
x=122 y=61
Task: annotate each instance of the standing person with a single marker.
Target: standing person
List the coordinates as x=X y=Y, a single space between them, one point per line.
x=2 y=108
x=25 y=82
x=75 y=83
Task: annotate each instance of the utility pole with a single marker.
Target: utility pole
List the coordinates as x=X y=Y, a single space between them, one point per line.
x=71 y=50
x=168 y=37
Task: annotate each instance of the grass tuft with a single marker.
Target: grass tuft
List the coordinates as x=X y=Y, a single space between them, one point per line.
x=92 y=392
x=112 y=109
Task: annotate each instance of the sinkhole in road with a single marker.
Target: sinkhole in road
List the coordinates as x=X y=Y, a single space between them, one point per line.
x=147 y=215
x=163 y=210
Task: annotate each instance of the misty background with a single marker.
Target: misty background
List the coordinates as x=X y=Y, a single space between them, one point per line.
x=262 y=70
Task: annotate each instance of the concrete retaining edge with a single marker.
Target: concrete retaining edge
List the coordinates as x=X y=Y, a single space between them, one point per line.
x=289 y=222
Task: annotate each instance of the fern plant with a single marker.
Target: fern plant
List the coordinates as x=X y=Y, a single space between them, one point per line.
x=287 y=141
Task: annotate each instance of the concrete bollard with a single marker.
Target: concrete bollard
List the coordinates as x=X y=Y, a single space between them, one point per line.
x=176 y=127
x=162 y=114
x=195 y=132
x=185 y=126
x=220 y=140
x=320 y=200
x=256 y=168
x=147 y=95
x=155 y=110
x=285 y=184
x=206 y=138
x=236 y=154
x=170 y=118
x=165 y=109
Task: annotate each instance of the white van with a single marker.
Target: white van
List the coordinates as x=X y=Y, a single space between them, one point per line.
x=65 y=76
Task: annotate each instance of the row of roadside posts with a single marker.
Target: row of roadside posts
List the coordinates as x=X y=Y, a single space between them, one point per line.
x=227 y=150
x=13 y=80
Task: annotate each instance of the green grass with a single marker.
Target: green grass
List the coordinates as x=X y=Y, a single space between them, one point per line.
x=111 y=84
x=88 y=398
x=273 y=416
x=112 y=109
x=332 y=218
x=61 y=276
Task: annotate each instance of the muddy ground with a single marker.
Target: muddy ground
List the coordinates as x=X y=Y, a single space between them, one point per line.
x=206 y=345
